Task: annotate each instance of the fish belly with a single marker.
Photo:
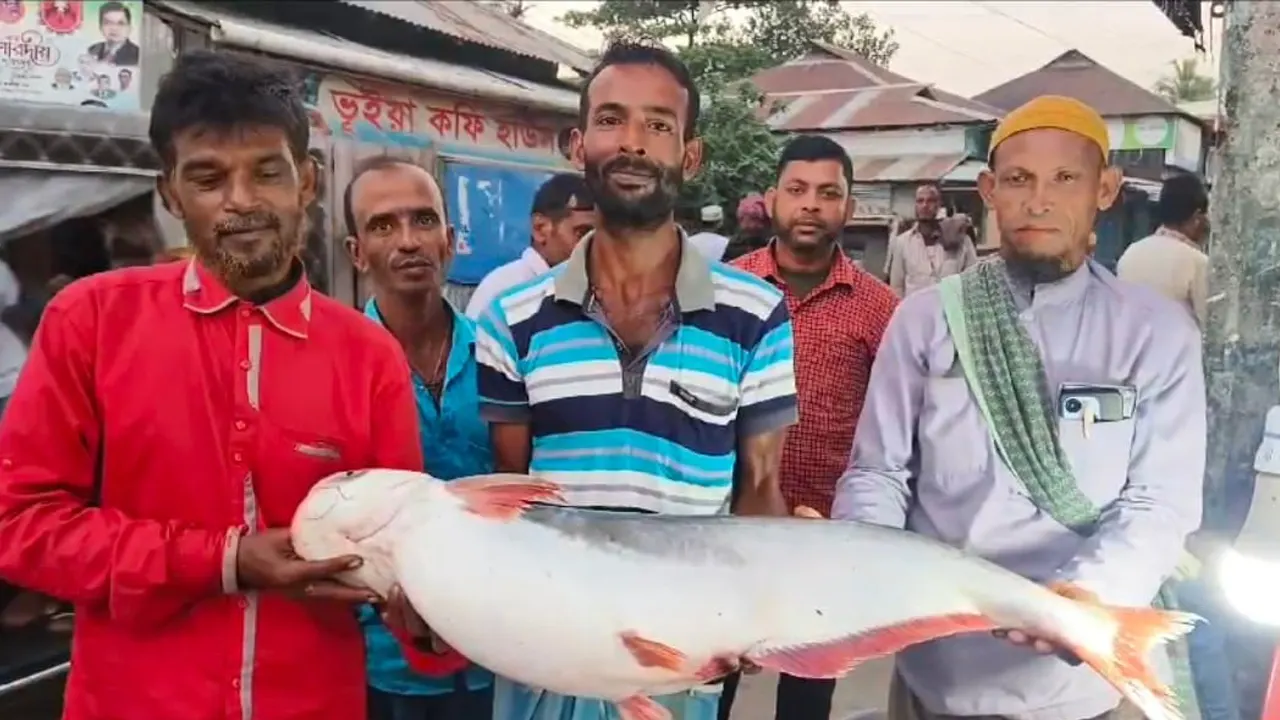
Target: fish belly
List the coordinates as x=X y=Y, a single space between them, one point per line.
x=551 y=612
x=548 y=603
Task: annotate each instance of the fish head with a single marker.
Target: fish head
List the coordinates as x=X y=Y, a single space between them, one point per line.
x=355 y=513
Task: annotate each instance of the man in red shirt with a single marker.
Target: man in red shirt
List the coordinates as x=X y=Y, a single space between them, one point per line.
x=170 y=419
x=838 y=314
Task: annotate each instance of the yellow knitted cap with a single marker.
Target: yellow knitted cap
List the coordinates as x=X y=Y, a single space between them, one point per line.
x=1058 y=112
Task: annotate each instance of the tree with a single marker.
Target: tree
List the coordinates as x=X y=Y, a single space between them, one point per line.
x=1185 y=83
x=783 y=30
x=653 y=19
x=766 y=33
x=739 y=152
x=513 y=8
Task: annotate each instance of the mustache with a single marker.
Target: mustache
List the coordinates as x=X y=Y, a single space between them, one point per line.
x=633 y=165
x=411 y=261
x=253 y=222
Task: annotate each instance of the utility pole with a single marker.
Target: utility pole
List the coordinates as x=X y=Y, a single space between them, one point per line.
x=1242 y=340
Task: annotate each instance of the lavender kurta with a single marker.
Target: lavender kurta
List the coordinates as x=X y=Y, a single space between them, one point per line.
x=922 y=459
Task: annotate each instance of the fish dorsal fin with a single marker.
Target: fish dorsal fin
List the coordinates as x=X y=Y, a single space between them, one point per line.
x=503 y=496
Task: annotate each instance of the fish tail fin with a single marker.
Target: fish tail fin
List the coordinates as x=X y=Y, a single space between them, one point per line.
x=1137 y=632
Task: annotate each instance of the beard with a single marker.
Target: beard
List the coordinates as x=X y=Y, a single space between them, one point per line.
x=633 y=212
x=1036 y=269
x=236 y=265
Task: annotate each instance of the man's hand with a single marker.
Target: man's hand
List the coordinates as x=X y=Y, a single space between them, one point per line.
x=400 y=616
x=266 y=561
x=1040 y=645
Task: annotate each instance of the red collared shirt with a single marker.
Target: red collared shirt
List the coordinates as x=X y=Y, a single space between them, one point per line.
x=185 y=413
x=837 y=327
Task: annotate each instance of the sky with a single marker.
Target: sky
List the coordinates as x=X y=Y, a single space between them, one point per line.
x=967 y=46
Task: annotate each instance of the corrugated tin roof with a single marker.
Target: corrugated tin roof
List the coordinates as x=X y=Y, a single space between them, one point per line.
x=835 y=89
x=873 y=107
x=1076 y=75
x=904 y=168
x=482 y=24
x=343 y=55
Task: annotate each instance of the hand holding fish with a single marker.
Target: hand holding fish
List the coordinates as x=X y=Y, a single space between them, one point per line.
x=399 y=615
x=266 y=561
x=1040 y=645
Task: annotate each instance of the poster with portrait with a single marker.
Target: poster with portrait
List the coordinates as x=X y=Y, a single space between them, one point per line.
x=71 y=52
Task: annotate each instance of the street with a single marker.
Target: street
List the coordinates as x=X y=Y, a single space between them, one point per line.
x=864 y=690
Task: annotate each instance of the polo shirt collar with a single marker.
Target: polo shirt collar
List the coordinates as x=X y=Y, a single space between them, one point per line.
x=694 y=287
x=764 y=263
x=462 y=341
x=204 y=293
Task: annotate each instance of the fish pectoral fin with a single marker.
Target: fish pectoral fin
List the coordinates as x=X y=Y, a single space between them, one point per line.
x=716 y=668
x=836 y=658
x=503 y=496
x=640 y=707
x=653 y=654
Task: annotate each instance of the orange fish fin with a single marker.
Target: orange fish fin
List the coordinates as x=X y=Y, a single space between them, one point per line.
x=503 y=496
x=1074 y=592
x=653 y=654
x=1138 y=632
x=716 y=668
x=836 y=658
x=639 y=707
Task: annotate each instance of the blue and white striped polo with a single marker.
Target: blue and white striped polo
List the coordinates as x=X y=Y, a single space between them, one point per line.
x=657 y=431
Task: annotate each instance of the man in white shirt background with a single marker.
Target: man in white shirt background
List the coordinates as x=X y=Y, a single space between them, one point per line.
x=709 y=241
x=563 y=213
x=1172 y=261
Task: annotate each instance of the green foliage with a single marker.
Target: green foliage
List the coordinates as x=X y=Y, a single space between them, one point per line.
x=1185 y=83
x=741 y=36
x=653 y=19
x=739 y=152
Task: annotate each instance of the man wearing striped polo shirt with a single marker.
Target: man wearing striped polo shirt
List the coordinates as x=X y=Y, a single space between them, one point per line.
x=636 y=374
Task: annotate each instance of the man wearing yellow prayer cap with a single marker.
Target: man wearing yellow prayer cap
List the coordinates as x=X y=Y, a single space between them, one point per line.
x=1037 y=412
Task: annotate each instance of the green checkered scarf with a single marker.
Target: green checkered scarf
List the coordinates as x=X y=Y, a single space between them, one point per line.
x=1006 y=376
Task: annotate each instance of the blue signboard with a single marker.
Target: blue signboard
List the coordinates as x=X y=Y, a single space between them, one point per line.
x=489 y=210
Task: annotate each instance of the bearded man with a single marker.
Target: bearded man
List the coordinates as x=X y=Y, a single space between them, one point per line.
x=636 y=374
x=1040 y=413
x=169 y=420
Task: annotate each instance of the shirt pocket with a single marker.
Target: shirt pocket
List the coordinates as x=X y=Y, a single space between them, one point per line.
x=290 y=463
x=715 y=405
x=1100 y=460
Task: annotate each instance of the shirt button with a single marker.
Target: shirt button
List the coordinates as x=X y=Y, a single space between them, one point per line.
x=244 y=312
x=236 y=683
x=244 y=604
x=237 y=457
x=240 y=425
x=245 y=365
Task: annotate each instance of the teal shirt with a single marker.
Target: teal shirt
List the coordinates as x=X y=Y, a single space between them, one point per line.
x=455 y=443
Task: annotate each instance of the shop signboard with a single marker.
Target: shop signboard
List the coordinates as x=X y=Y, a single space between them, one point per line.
x=71 y=52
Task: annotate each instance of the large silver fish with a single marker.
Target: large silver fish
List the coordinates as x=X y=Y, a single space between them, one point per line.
x=623 y=607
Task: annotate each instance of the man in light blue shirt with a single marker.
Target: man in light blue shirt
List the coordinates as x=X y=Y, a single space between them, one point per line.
x=400 y=240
